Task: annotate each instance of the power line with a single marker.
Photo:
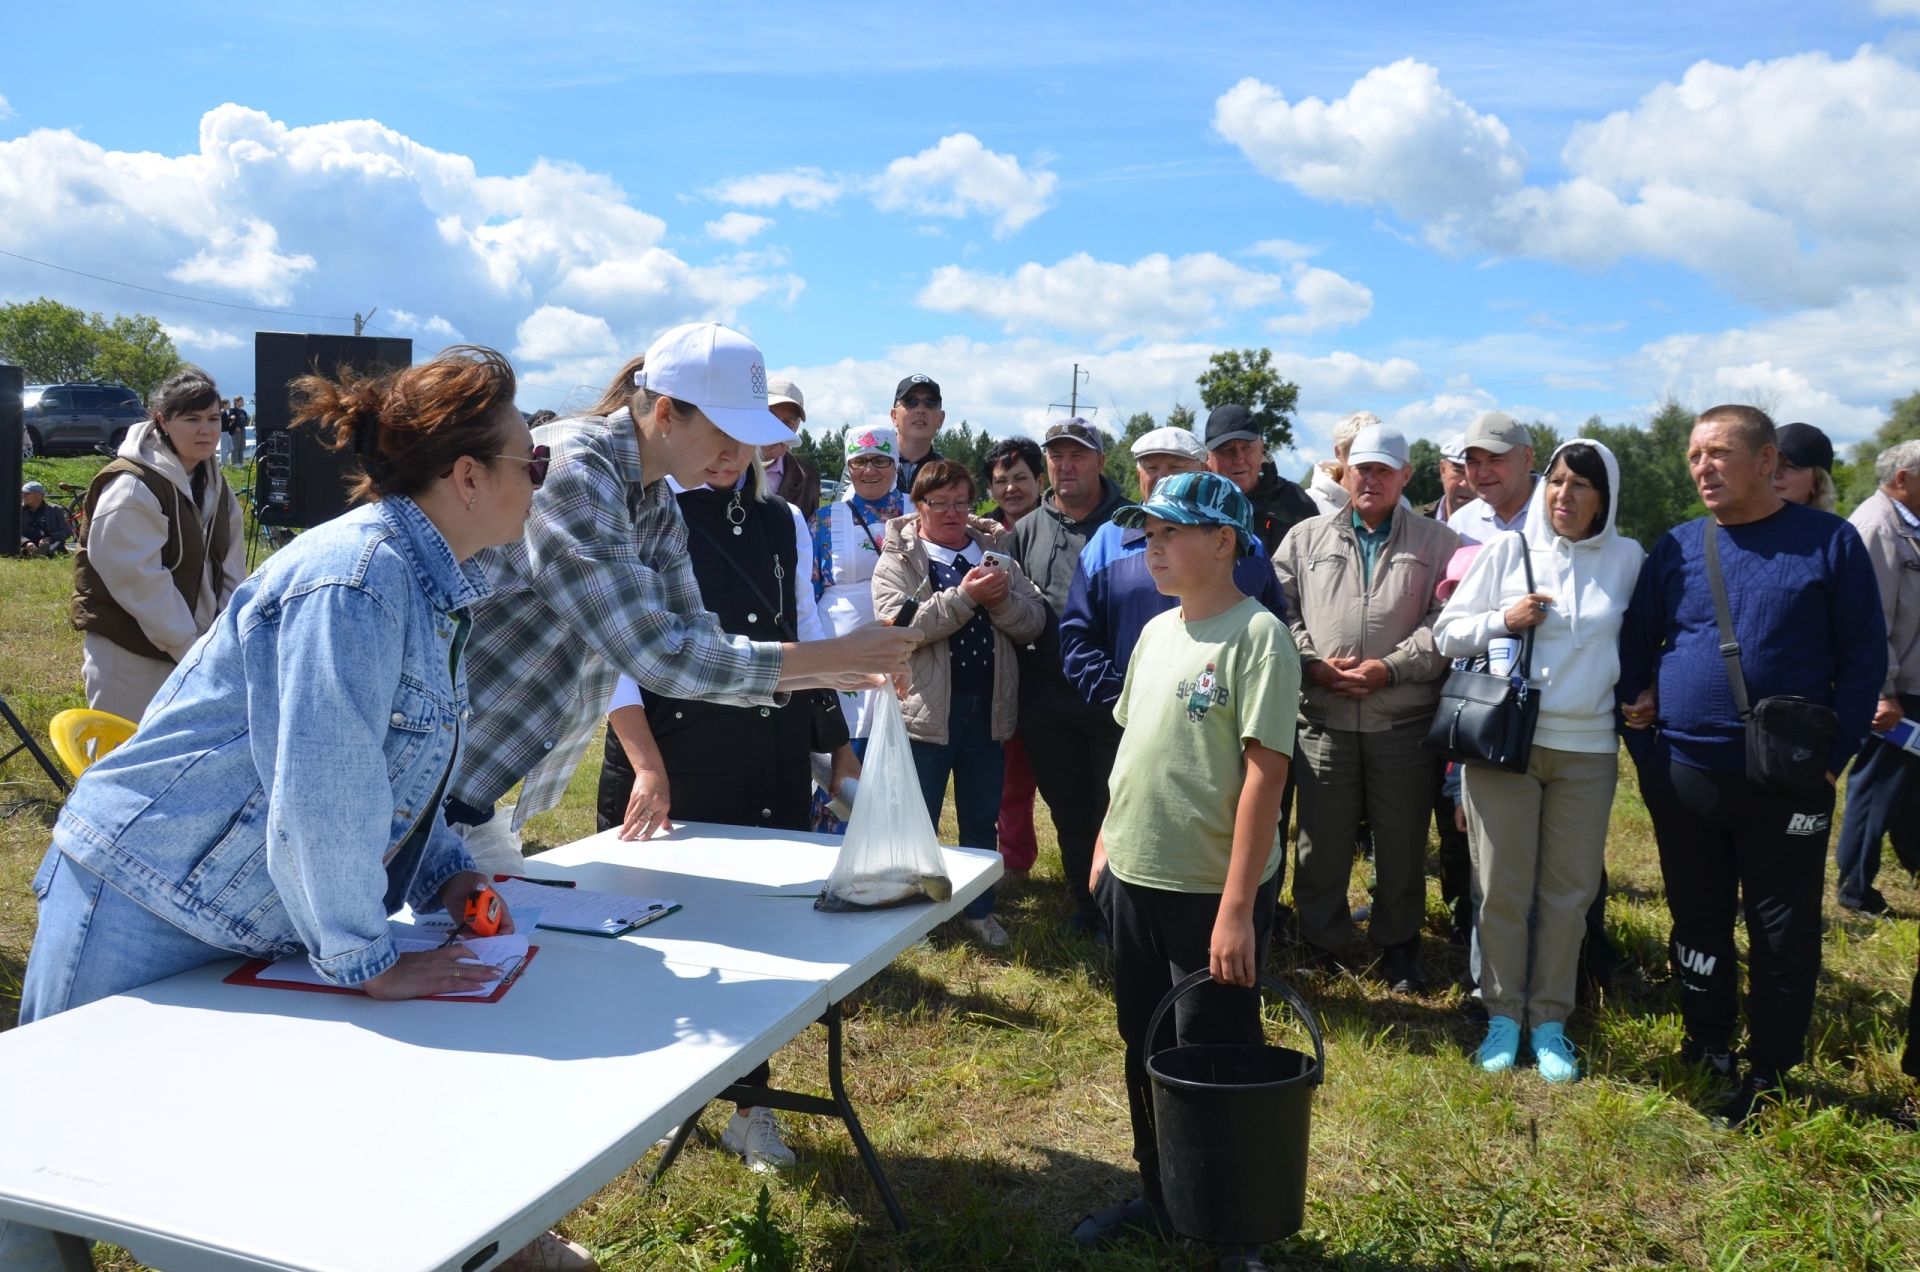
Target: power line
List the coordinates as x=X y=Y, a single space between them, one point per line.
x=155 y=291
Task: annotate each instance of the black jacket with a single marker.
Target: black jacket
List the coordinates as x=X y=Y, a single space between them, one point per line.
x=1278 y=506
x=738 y=766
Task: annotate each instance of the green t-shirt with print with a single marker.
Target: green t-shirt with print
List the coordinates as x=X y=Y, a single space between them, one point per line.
x=1195 y=694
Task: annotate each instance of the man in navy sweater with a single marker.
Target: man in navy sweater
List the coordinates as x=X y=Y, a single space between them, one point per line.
x=1806 y=615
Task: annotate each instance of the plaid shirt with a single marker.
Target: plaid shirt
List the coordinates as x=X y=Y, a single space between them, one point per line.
x=601 y=584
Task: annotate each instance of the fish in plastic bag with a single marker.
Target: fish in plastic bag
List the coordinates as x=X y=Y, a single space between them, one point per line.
x=890 y=855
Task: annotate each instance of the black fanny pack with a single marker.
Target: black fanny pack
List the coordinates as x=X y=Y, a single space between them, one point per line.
x=1788 y=738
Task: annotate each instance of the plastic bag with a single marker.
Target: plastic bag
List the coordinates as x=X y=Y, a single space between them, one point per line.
x=890 y=855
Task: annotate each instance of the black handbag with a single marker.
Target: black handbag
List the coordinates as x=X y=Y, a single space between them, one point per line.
x=1487 y=719
x=1788 y=738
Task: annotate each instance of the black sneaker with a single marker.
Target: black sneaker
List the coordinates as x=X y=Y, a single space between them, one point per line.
x=1135 y=1217
x=1315 y=958
x=1400 y=968
x=1718 y=1063
x=1872 y=906
x=1247 y=1260
x=1759 y=1091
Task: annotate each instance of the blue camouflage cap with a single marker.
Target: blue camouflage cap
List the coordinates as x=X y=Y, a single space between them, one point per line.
x=1194 y=499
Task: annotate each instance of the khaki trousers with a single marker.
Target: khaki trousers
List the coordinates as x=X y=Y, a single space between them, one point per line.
x=1539 y=842
x=1341 y=776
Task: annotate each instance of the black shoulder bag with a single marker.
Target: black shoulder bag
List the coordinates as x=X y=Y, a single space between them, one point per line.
x=1487 y=719
x=1788 y=737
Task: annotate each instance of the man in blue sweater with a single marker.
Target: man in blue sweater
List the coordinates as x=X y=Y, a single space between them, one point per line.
x=1806 y=616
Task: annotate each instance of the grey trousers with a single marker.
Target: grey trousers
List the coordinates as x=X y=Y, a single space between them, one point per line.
x=1343 y=776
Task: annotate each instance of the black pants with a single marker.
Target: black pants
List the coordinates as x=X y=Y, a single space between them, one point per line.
x=1456 y=860
x=1159 y=938
x=1727 y=844
x=1880 y=799
x=1071 y=764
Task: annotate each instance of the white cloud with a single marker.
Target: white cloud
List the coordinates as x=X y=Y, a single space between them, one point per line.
x=737 y=227
x=1775 y=178
x=212 y=339
x=957 y=176
x=1898 y=8
x=809 y=189
x=1397 y=138
x=1156 y=297
x=333 y=218
x=1283 y=250
x=6 y=111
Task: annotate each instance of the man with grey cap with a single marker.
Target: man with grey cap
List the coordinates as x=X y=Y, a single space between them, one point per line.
x=1499 y=455
x=1456 y=489
x=43 y=526
x=1360 y=591
x=1070 y=742
x=1113 y=595
x=1237 y=451
x=788 y=475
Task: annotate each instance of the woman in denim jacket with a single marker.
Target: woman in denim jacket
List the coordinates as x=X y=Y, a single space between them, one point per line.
x=283 y=793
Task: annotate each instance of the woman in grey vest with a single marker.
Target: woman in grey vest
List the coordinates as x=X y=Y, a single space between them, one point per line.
x=162 y=550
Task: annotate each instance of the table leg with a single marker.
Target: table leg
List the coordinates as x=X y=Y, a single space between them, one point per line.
x=839 y=1106
x=679 y=1141
x=76 y=1253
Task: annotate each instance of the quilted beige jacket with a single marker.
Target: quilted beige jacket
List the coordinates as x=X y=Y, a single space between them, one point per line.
x=903 y=572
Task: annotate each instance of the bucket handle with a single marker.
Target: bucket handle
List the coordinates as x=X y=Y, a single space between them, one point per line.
x=1267 y=981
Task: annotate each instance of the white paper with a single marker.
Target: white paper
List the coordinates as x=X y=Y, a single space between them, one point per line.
x=503 y=953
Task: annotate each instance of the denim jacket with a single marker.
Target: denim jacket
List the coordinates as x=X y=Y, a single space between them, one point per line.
x=269 y=801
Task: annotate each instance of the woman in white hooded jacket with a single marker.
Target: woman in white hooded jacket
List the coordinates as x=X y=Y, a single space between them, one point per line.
x=163 y=551
x=1539 y=837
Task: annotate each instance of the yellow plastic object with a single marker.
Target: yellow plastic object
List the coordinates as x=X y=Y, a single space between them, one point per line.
x=81 y=736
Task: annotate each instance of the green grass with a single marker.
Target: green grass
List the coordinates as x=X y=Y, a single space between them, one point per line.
x=991 y=1087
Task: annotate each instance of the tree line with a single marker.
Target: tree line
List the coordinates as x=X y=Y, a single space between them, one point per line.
x=55 y=343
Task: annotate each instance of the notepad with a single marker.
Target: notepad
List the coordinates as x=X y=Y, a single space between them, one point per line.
x=506 y=955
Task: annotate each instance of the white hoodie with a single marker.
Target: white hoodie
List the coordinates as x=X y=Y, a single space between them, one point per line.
x=128 y=545
x=1576 y=652
x=1327 y=493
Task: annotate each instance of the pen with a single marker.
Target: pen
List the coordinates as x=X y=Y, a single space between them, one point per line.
x=545 y=883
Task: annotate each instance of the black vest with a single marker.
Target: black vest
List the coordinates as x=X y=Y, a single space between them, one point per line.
x=744 y=766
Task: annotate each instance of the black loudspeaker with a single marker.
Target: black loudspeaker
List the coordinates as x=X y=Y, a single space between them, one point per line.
x=11 y=430
x=297 y=481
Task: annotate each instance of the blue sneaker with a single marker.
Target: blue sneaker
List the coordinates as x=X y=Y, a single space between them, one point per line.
x=1553 y=1053
x=1502 y=1047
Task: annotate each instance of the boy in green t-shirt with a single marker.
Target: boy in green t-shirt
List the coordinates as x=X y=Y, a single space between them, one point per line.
x=1188 y=859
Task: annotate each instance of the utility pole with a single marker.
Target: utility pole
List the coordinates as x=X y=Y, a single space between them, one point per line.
x=1073 y=396
x=360 y=322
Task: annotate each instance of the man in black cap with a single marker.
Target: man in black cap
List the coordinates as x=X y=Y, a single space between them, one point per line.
x=1237 y=452
x=917 y=416
x=1070 y=743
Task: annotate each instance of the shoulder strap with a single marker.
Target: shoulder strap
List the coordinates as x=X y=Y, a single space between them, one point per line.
x=753 y=585
x=1525 y=667
x=1729 y=647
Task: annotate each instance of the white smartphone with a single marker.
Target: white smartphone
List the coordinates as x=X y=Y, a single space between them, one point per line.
x=993 y=561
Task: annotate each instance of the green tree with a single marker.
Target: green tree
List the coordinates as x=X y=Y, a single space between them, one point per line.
x=1424 y=486
x=1546 y=440
x=1246 y=377
x=1656 y=490
x=1902 y=424
x=47 y=340
x=963 y=446
x=135 y=350
x=1119 y=467
x=825 y=449
x=53 y=342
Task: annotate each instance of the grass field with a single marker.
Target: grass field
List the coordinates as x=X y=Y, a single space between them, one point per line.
x=991 y=1087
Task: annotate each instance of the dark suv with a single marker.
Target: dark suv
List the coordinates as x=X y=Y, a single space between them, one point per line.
x=77 y=418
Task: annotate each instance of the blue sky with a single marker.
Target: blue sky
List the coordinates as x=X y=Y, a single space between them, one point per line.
x=1425 y=211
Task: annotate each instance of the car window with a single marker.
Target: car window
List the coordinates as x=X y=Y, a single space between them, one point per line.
x=123 y=398
x=56 y=400
x=87 y=400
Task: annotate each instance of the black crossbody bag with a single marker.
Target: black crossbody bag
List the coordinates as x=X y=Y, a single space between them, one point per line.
x=1788 y=737
x=1487 y=719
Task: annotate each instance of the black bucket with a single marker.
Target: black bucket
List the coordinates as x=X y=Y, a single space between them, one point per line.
x=1232 y=1121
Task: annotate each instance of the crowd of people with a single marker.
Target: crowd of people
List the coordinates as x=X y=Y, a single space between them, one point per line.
x=1179 y=678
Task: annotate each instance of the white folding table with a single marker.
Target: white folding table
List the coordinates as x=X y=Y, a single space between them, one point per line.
x=209 y=1126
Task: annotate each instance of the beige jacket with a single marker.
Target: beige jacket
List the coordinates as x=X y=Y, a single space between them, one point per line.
x=1334 y=614
x=1895 y=549
x=903 y=572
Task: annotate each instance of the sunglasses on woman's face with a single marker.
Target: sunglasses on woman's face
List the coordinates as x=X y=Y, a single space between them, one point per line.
x=536 y=464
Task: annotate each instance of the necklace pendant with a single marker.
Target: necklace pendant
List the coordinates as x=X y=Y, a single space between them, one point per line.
x=736 y=530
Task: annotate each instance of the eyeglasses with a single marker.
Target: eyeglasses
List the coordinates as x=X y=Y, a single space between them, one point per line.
x=942 y=505
x=870 y=461
x=536 y=463
x=914 y=401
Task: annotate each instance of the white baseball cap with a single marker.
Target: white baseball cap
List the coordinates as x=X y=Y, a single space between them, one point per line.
x=1171 y=440
x=1379 y=444
x=720 y=371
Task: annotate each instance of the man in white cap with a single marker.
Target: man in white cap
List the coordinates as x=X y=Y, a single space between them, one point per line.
x=1499 y=454
x=1113 y=596
x=1456 y=489
x=1360 y=594
x=788 y=475
x=601 y=584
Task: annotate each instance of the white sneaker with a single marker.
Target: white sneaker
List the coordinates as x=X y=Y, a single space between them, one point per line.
x=667 y=1139
x=989 y=932
x=550 y=1252
x=756 y=1138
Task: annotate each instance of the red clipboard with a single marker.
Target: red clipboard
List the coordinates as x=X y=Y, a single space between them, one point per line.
x=249 y=974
